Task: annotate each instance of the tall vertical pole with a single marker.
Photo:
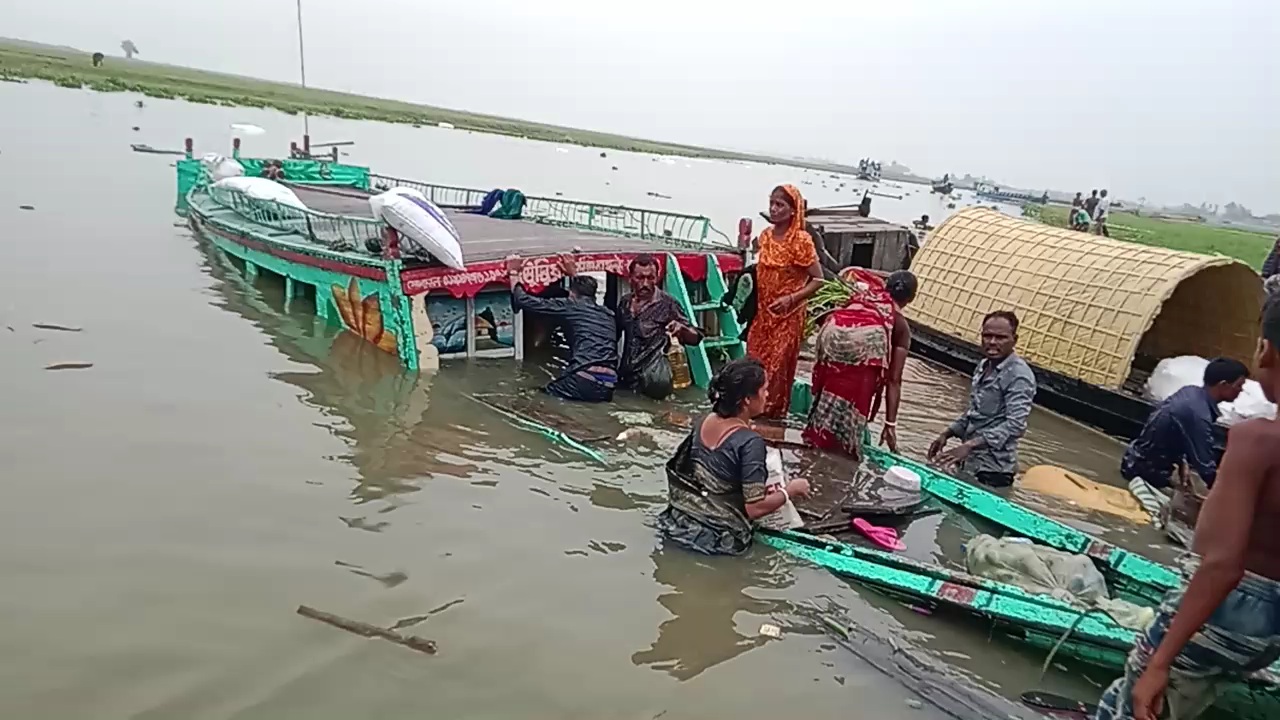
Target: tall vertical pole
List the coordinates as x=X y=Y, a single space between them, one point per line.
x=302 y=64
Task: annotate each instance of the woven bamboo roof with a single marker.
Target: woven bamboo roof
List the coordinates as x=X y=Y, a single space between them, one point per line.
x=1086 y=304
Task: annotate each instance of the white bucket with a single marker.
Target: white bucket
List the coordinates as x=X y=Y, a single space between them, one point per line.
x=903 y=478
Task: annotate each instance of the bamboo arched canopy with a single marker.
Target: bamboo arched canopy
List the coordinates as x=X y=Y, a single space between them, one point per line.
x=1087 y=305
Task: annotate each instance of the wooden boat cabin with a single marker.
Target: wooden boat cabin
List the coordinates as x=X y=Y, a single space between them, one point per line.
x=855 y=239
x=1096 y=314
x=348 y=263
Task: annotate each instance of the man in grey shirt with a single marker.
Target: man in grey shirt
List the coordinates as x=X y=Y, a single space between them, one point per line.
x=999 y=405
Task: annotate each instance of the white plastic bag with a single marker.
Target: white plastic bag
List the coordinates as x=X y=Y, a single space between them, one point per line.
x=1173 y=374
x=785 y=517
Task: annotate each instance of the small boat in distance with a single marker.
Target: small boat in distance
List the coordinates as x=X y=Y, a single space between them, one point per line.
x=1012 y=197
x=868 y=170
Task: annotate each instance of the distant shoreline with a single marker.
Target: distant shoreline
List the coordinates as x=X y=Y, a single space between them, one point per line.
x=71 y=68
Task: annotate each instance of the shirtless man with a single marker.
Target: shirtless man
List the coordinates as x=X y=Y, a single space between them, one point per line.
x=1225 y=624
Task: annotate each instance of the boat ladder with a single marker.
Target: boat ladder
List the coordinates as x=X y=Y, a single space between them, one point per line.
x=702 y=313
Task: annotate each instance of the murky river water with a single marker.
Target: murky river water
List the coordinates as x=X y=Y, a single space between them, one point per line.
x=164 y=512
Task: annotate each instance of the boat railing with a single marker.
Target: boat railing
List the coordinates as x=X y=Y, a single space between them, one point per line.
x=336 y=232
x=692 y=230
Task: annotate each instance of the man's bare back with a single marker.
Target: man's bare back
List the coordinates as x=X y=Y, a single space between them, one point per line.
x=1251 y=474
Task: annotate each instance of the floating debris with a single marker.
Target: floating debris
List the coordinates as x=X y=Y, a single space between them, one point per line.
x=413 y=642
x=136 y=128
x=446 y=126
x=769 y=630
x=26 y=207
x=138 y=103
x=55 y=326
x=69 y=366
x=604 y=154
x=615 y=167
x=659 y=195
x=247 y=129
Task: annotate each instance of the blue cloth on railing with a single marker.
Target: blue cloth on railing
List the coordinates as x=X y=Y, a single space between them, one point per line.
x=489 y=202
x=512 y=206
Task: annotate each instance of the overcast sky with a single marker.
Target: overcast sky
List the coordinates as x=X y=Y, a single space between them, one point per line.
x=1172 y=100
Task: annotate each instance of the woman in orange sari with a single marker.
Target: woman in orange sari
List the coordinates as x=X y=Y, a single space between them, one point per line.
x=787 y=275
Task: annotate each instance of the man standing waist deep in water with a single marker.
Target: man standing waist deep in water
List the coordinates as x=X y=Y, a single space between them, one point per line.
x=648 y=318
x=592 y=371
x=1225 y=624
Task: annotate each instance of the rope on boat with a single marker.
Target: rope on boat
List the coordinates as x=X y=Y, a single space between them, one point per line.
x=1044 y=669
x=527 y=423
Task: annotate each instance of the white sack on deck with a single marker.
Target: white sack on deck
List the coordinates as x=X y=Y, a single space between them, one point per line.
x=221 y=168
x=377 y=201
x=424 y=228
x=260 y=188
x=1046 y=571
x=1173 y=374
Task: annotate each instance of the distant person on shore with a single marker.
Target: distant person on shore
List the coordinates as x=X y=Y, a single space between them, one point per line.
x=1100 y=214
x=1223 y=625
x=1091 y=203
x=716 y=482
x=1180 y=431
x=592 y=371
x=787 y=275
x=1000 y=398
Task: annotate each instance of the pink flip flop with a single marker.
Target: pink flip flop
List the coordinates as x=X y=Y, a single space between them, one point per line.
x=885 y=537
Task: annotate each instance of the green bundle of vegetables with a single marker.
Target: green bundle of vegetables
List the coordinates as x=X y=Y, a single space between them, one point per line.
x=832 y=294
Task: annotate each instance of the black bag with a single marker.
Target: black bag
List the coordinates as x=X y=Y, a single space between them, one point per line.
x=655 y=381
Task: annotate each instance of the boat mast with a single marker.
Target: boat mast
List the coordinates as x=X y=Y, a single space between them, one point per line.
x=302 y=65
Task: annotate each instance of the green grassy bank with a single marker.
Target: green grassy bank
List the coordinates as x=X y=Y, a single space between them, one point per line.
x=67 y=67
x=1251 y=247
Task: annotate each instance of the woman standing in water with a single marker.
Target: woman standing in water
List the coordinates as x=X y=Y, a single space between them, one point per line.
x=787 y=275
x=862 y=349
x=716 y=480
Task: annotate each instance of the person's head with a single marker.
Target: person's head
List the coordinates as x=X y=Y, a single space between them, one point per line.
x=1093 y=193
x=924 y=219
x=1224 y=379
x=643 y=275
x=583 y=286
x=1104 y=193
x=1078 y=195
x=902 y=287
x=784 y=203
x=1267 y=358
x=999 y=334
x=738 y=390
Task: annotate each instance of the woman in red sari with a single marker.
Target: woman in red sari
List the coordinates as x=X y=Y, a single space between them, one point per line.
x=787 y=275
x=862 y=349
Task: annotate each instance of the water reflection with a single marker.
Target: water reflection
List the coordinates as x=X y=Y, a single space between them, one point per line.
x=705 y=597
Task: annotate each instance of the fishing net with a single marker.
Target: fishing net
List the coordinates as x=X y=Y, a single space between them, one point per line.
x=1046 y=571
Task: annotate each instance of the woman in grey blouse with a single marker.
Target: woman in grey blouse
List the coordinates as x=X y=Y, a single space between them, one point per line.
x=716 y=480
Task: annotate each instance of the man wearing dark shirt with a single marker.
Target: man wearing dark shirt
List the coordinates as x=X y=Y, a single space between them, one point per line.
x=1091 y=203
x=648 y=317
x=592 y=371
x=1181 y=431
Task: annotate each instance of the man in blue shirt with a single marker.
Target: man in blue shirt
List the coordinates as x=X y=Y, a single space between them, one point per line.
x=1181 y=431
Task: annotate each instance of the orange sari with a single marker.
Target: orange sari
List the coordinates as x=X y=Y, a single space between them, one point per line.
x=782 y=269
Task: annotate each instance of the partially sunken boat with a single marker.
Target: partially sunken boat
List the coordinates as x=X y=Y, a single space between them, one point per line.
x=1096 y=314
x=349 y=263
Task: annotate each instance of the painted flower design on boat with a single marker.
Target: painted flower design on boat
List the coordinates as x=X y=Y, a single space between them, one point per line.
x=363 y=316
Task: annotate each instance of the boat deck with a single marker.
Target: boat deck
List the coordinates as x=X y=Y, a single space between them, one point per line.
x=486 y=239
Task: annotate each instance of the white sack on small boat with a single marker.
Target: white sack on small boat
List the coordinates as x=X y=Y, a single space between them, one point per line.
x=377 y=201
x=1173 y=374
x=1046 y=571
x=785 y=517
x=260 y=188
x=221 y=168
x=424 y=228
